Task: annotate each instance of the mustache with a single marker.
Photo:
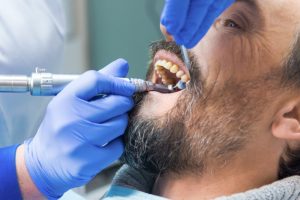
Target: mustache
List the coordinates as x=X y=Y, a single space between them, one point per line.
x=164 y=45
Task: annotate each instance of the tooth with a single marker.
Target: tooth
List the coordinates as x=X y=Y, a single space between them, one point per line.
x=157 y=64
x=168 y=65
x=159 y=68
x=185 y=78
x=171 y=88
x=179 y=74
x=174 y=69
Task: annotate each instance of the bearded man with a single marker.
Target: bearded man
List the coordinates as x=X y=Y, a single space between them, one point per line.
x=236 y=126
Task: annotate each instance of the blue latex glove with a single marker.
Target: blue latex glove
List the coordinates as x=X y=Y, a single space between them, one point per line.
x=189 y=20
x=80 y=135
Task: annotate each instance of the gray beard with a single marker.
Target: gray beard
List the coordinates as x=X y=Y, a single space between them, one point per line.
x=151 y=148
x=203 y=129
x=187 y=138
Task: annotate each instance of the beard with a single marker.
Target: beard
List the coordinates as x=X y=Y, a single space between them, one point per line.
x=204 y=128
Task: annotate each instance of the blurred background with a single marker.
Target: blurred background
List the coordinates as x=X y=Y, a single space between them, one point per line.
x=100 y=31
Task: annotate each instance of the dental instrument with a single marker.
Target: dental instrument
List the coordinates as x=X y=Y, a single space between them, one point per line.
x=42 y=83
x=185 y=56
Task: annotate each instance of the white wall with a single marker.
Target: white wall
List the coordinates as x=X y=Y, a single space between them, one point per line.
x=75 y=58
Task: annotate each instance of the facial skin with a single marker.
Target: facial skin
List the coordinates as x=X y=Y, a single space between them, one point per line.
x=235 y=119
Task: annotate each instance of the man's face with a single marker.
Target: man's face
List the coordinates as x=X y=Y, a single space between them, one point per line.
x=231 y=98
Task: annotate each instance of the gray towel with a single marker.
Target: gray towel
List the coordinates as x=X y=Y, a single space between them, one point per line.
x=286 y=189
x=134 y=179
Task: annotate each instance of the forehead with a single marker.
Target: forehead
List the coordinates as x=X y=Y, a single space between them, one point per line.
x=279 y=20
x=273 y=10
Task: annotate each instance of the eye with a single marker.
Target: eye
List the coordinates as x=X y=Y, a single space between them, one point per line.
x=231 y=24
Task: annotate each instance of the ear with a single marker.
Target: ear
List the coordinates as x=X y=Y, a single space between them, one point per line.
x=286 y=124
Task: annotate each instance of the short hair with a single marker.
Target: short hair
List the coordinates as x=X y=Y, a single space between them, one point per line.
x=289 y=163
x=291 y=67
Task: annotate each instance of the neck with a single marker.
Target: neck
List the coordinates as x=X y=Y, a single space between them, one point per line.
x=248 y=171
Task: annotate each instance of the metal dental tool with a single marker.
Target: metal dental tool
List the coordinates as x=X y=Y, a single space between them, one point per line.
x=42 y=83
x=185 y=56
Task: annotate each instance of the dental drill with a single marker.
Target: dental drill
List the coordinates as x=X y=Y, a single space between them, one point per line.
x=42 y=83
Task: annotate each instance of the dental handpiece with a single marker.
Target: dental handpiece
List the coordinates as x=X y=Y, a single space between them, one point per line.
x=42 y=83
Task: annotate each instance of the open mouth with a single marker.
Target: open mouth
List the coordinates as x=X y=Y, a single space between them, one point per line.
x=170 y=70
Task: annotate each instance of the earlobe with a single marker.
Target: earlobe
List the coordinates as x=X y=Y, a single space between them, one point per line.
x=287 y=123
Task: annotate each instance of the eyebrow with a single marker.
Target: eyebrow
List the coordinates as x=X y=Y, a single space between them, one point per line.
x=254 y=10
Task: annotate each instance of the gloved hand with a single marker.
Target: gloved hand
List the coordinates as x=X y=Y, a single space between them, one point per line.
x=187 y=21
x=80 y=134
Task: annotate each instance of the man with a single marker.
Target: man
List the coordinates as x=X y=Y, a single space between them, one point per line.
x=70 y=146
x=236 y=126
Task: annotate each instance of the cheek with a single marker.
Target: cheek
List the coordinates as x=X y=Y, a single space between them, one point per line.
x=216 y=57
x=157 y=104
x=224 y=56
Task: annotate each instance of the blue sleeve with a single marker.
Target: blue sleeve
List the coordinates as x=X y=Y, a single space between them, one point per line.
x=9 y=187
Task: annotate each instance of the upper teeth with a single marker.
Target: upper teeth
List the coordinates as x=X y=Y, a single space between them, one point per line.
x=180 y=73
x=185 y=78
x=167 y=65
x=174 y=69
x=162 y=65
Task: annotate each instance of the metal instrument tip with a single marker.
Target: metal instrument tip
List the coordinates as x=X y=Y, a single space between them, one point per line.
x=163 y=88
